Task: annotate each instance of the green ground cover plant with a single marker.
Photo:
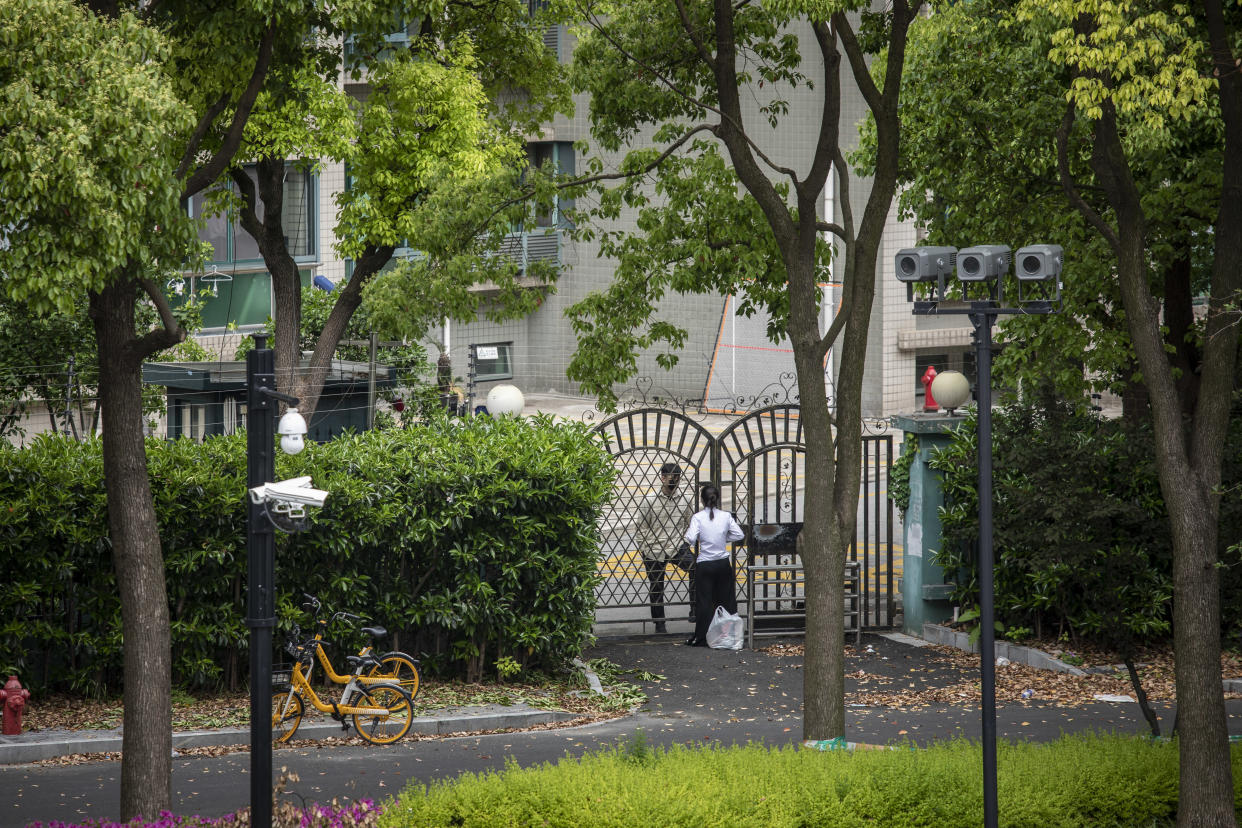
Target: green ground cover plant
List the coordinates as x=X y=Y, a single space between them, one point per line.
x=473 y=541
x=1098 y=780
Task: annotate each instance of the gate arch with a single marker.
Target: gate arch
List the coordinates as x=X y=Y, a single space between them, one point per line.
x=640 y=441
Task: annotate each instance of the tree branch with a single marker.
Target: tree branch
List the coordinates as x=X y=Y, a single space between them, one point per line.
x=170 y=332
x=209 y=172
x=669 y=150
x=858 y=62
x=699 y=45
x=1070 y=187
x=200 y=132
x=843 y=185
x=830 y=120
x=160 y=301
x=687 y=97
x=830 y=227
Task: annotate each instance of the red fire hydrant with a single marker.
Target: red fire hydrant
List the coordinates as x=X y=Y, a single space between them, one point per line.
x=929 y=402
x=13 y=696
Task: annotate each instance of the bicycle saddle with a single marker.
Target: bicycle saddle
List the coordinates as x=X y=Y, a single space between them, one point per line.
x=375 y=632
x=362 y=661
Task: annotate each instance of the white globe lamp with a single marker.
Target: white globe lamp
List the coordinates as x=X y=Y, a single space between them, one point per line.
x=505 y=400
x=950 y=389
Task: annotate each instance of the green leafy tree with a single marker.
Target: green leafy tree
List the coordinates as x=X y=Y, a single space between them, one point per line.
x=965 y=142
x=1137 y=71
x=435 y=162
x=51 y=359
x=717 y=214
x=48 y=360
x=114 y=113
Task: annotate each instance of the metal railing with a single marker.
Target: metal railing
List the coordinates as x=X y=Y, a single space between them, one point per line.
x=776 y=601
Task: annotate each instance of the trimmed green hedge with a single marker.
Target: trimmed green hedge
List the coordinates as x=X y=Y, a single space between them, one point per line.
x=1078 y=780
x=469 y=539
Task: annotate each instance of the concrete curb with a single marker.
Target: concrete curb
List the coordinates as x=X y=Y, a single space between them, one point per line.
x=1025 y=655
x=1014 y=652
x=38 y=745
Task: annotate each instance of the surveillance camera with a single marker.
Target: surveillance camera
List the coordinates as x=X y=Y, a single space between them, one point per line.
x=295 y=493
x=925 y=264
x=1039 y=262
x=987 y=261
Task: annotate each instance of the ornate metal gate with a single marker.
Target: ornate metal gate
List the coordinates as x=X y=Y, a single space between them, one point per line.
x=641 y=441
x=758 y=462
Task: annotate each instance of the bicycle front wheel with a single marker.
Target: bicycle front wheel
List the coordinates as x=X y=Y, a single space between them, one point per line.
x=287 y=710
x=402 y=669
x=389 y=727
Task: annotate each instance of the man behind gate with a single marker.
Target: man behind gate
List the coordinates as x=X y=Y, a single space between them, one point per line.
x=663 y=517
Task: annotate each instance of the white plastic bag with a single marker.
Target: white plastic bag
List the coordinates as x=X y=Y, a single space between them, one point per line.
x=726 y=630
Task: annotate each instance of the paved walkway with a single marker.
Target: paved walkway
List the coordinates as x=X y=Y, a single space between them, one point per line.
x=700 y=697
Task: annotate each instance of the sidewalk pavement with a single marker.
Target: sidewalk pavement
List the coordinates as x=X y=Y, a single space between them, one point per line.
x=755 y=694
x=49 y=744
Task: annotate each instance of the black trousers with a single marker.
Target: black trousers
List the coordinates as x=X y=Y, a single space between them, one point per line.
x=655 y=586
x=716 y=587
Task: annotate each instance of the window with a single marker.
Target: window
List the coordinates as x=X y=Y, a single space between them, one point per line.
x=493 y=361
x=230 y=244
x=552 y=34
x=242 y=299
x=191 y=420
x=398 y=38
x=559 y=154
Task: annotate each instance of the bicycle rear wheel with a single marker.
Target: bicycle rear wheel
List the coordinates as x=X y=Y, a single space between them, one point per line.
x=287 y=710
x=402 y=669
x=389 y=727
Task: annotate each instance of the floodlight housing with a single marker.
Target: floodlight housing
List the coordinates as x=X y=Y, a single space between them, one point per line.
x=1038 y=262
x=925 y=264
x=982 y=263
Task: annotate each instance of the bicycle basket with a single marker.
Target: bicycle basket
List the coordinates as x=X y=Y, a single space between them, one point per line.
x=282 y=677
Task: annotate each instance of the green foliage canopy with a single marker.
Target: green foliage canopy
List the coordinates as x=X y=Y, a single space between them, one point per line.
x=91 y=139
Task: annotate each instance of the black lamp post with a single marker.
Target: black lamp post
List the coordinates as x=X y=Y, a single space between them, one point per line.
x=261 y=408
x=984 y=269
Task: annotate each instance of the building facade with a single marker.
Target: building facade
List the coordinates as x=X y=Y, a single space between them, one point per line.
x=727 y=362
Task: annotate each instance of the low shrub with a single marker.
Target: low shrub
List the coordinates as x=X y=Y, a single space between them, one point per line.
x=471 y=540
x=1082 y=541
x=1078 y=780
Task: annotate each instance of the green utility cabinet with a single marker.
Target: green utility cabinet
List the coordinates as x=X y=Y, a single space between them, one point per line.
x=925 y=591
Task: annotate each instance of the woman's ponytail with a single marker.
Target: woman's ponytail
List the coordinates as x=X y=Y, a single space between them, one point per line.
x=711 y=499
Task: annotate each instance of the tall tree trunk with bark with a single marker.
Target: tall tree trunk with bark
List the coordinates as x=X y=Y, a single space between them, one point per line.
x=1189 y=434
x=134 y=534
x=269 y=232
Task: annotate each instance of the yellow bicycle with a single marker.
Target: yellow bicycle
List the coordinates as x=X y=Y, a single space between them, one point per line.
x=380 y=710
x=392 y=666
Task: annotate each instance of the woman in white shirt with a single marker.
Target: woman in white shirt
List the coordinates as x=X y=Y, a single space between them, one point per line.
x=713 y=528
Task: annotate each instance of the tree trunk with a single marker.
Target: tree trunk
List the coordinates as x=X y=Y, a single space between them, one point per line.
x=823 y=554
x=308 y=386
x=1188 y=458
x=269 y=232
x=146 y=764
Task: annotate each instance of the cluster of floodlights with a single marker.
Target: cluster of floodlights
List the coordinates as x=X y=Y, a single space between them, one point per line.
x=981 y=273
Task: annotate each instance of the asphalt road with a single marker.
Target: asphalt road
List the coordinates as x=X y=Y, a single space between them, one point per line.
x=707 y=697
